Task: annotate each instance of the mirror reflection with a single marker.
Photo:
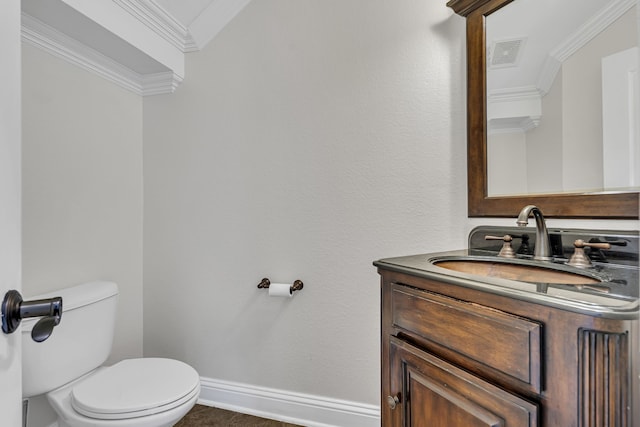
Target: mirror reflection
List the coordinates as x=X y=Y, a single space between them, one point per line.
x=562 y=97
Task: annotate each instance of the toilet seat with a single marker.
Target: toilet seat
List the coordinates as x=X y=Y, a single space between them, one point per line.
x=135 y=388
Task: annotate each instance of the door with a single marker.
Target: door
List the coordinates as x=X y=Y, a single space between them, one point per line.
x=620 y=109
x=431 y=392
x=10 y=264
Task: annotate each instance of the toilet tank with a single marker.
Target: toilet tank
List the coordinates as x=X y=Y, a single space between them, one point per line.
x=80 y=343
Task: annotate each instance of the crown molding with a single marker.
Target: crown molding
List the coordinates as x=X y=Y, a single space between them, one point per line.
x=204 y=28
x=583 y=35
x=591 y=28
x=514 y=110
x=171 y=34
x=47 y=38
x=161 y=22
x=513 y=94
x=548 y=74
x=513 y=125
x=159 y=83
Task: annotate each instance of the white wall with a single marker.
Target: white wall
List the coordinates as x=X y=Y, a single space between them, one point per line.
x=507 y=163
x=82 y=187
x=582 y=104
x=308 y=139
x=10 y=135
x=544 y=144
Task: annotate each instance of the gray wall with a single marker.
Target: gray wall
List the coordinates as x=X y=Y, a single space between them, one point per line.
x=82 y=187
x=308 y=139
x=10 y=221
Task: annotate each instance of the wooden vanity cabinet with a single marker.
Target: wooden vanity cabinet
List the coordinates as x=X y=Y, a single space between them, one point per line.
x=454 y=356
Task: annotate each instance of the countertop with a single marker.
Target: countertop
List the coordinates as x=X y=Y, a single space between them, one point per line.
x=620 y=302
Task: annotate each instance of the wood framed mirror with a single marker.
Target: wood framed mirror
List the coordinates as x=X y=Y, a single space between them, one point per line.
x=592 y=205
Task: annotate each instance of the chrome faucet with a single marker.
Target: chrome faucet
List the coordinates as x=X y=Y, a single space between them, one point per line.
x=542 y=250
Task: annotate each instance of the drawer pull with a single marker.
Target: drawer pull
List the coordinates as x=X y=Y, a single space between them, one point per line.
x=393 y=401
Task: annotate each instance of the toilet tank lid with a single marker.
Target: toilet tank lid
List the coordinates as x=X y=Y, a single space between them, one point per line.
x=80 y=295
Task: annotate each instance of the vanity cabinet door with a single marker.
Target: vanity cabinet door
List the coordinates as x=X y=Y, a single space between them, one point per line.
x=427 y=391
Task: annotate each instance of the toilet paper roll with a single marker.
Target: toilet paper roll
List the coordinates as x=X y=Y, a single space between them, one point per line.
x=280 y=290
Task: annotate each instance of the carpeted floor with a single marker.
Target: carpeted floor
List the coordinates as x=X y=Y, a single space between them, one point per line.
x=205 y=416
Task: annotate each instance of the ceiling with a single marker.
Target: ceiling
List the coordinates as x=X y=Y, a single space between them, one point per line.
x=550 y=30
x=527 y=42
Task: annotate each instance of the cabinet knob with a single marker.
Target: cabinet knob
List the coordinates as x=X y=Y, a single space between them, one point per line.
x=393 y=401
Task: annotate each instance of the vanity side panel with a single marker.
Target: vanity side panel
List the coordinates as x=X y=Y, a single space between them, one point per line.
x=389 y=417
x=603 y=381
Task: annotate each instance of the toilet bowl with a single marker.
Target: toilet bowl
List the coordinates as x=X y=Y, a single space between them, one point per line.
x=132 y=393
x=66 y=368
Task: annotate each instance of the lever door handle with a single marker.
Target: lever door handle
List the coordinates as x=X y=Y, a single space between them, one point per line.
x=14 y=309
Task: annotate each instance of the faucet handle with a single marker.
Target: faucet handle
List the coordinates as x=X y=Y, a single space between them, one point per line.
x=506 y=251
x=579 y=258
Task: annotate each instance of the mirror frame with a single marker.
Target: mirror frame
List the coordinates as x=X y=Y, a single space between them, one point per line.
x=610 y=205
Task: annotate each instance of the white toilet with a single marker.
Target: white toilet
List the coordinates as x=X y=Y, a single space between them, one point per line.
x=147 y=392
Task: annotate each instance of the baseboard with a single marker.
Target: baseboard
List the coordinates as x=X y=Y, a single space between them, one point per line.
x=302 y=409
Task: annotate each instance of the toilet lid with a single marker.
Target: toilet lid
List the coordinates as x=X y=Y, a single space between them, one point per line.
x=135 y=387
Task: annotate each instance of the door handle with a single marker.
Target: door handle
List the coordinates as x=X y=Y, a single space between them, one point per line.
x=14 y=309
x=393 y=401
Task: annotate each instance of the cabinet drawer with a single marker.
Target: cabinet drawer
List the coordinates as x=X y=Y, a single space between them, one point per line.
x=506 y=343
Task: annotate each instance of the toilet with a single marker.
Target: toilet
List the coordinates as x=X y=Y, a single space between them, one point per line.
x=67 y=369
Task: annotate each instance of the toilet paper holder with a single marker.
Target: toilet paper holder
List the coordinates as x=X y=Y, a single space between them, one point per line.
x=296 y=286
